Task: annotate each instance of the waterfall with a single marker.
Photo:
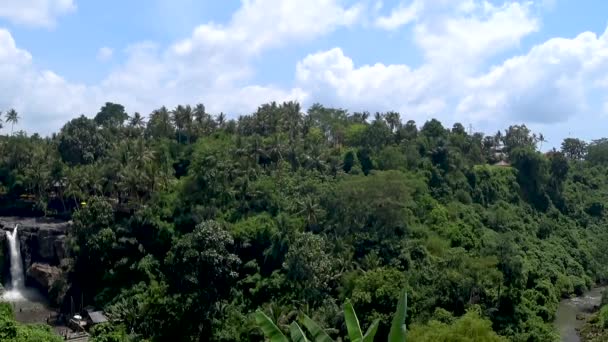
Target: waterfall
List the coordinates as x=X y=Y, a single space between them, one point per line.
x=17 y=282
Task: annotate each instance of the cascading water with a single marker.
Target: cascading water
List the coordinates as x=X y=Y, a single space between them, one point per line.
x=15 y=292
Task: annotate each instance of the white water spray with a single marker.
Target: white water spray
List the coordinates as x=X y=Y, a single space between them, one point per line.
x=17 y=282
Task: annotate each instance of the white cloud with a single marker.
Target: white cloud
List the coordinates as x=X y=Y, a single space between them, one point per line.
x=549 y=84
x=402 y=15
x=455 y=37
x=105 y=54
x=332 y=78
x=471 y=31
x=34 y=91
x=213 y=65
x=35 y=12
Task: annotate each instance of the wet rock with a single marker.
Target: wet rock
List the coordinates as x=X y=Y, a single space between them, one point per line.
x=44 y=275
x=59 y=245
x=48 y=279
x=46 y=245
x=42 y=239
x=581 y=316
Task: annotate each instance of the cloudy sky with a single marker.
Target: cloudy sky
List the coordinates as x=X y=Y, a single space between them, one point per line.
x=479 y=62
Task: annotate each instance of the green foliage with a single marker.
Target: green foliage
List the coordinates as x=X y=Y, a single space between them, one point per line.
x=81 y=142
x=597 y=152
x=469 y=328
x=12 y=331
x=111 y=115
x=271 y=331
x=574 y=149
x=110 y=332
x=398 y=329
x=309 y=266
x=187 y=224
x=595 y=328
x=354 y=329
x=355 y=334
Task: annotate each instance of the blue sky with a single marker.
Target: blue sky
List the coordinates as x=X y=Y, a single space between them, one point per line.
x=484 y=63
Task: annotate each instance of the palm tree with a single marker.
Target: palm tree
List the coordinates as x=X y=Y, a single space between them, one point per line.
x=159 y=123
x=541 y=139
x=178 y=119
x=393 y=119
x=310 y=209
x=137 y=121
x=182 y=117
x=13 y=117
x=221 y=120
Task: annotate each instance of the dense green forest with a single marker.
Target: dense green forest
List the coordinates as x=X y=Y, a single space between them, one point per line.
x=186 y=223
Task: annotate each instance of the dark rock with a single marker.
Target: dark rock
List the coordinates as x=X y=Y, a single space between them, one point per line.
x=42 y=239
x=581 y=316
x=59 y=245
x=44 y=275
x=46 y=245
x=34 y=224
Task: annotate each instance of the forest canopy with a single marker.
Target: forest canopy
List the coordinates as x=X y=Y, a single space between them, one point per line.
x=185 y=223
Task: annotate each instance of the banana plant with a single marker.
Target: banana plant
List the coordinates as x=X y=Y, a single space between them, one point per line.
x=270 y=330
x=398 y=328
x=274 y=334
x=355 y=334
x=317 y=333
x=354 y=329
x=297 y=335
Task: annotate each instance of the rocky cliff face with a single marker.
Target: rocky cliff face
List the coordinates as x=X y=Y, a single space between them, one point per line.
x=42 y=248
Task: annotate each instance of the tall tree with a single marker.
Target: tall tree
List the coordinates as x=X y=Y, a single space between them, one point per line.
x=111 y=115
x=160 y=125
x=203 y=270
x=393 y=119
x=518 y=136
x=12 y=117
x=597 y=151
x=574 y=149
x=80 y=142
x=137 y=121
x=221 y=120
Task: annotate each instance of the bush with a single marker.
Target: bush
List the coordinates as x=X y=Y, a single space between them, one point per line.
x=469 y=328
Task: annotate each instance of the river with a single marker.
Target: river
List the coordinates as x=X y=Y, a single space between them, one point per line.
x=566 y=321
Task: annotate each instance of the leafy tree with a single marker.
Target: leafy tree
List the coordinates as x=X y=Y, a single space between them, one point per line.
x=201 y=271
x=533 y=175
x=597 y=151
x=111 y=115
x=518 y=137
x=309 y=266
x=574 y=149
x=80 y=142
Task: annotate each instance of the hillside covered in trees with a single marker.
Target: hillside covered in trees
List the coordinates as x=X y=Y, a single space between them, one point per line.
x=186 y=223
